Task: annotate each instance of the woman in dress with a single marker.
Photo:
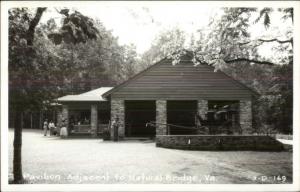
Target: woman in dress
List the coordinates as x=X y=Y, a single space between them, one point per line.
x=45 y=127
x=63 y=130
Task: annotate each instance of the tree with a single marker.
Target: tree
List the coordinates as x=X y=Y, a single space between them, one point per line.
x=76 y=28
x=100 y=62
x=228 y=39
x=23 y=64
x=233 y=49
x=21 y=35
x=165 y=44
x=130 y=65
x=241 y=56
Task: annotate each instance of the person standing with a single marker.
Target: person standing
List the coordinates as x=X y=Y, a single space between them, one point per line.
x=45 y=127
x=63 y=130
x=51 y=127
x=115 y=126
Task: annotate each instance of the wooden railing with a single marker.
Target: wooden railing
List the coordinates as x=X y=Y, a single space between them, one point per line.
x=81 y=129
x=168 y=125
x=202 y=130
x=102 y=127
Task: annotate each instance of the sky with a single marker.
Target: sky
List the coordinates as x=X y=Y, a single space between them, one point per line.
x=140 y=23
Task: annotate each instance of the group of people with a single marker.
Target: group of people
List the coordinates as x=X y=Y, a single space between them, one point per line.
x=49 y=126
x=53 y=129
x=64 y=131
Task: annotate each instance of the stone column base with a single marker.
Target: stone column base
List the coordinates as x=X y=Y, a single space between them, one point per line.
x=118 y=116
x=246 y=116
x=94 y=120
x=161 y=117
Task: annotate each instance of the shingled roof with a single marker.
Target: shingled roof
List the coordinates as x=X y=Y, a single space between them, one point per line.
x=164 y=80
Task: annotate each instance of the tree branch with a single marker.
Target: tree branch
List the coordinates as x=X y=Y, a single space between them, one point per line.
x=250 y=60
x=277 y=40
x=269 y=40
x=33 y=23
x=244 y=43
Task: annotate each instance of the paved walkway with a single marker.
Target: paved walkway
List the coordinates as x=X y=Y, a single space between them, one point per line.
x=54 y=160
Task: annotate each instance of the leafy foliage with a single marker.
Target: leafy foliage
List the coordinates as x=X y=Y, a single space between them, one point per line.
x=264 y=13
x=76 y=28
x=58 y=68
x=168 y=44
x=22 y=57
x=66 y=67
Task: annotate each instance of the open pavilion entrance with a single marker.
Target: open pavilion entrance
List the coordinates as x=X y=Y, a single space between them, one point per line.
x=137 y=115
x=181 y=113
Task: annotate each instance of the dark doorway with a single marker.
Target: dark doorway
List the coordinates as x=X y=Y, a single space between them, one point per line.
x=181 y=113
x=137 y=114
x=104 y=113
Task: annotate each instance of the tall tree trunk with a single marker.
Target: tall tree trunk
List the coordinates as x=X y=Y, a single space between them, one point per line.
x=33 y=23
x=17 y=162
x=31 y=127
x=40 y=120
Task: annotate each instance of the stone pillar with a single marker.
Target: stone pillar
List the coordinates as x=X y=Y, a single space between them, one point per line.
x=65 y=116
x=202 y=107
x=246 y=116
x=59 y=120
x=161 y=117
x=94 y=120
x=118 y=111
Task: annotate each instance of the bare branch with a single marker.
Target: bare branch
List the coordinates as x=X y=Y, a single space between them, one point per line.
x=277 y=40
x=268 y=40
x=250 y=60
x=244 y=43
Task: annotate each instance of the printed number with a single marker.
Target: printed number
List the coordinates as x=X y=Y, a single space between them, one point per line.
x=280 y=178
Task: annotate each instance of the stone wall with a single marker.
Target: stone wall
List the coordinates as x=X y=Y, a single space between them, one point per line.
x=94 y=120
x=202 y=107
x=218 y=142
x=118 y=111
x=246 y=116
x=161 y=117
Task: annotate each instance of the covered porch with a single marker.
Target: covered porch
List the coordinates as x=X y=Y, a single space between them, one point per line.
x=85 y=114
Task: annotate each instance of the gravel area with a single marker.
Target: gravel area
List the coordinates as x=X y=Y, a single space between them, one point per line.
x=84 y=160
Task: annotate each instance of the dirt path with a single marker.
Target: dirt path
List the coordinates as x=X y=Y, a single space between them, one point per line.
x=54 y=160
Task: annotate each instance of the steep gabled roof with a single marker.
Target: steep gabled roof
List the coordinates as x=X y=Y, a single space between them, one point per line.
x=189 y=55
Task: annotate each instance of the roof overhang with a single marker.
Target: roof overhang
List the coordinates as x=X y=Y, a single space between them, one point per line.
x=90 y=96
